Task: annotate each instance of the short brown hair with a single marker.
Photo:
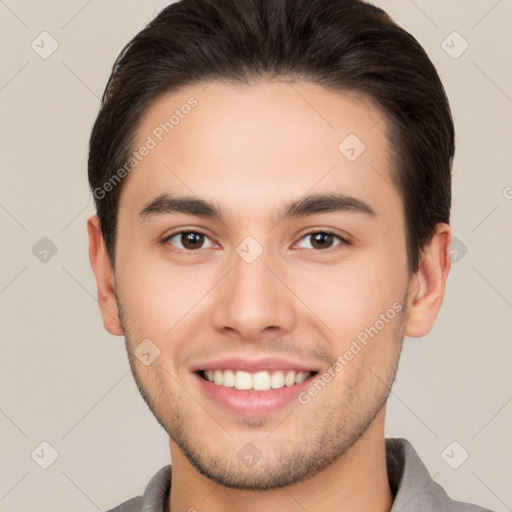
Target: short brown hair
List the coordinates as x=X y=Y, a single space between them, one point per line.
x=343 y=45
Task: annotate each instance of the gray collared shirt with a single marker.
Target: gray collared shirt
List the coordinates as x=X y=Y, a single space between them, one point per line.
x=410 y=482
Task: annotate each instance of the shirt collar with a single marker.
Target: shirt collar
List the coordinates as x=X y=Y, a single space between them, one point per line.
x=413 y=488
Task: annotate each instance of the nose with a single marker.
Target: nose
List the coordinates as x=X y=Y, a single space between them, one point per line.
x=253 y=302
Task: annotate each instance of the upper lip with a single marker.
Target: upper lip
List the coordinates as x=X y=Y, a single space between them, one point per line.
x=253 y=365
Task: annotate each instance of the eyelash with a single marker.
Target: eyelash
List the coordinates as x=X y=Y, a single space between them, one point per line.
x=342 y=241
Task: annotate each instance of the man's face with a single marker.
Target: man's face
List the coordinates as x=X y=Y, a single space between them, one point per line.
x=253 y=290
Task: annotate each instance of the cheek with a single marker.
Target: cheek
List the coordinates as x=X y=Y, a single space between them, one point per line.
x=351 y=297
x=159 y=298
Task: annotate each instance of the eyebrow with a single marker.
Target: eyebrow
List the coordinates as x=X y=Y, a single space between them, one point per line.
x=319 y=203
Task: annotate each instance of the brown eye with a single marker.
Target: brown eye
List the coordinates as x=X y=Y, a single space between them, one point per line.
x=189 y=240
x=321 y=240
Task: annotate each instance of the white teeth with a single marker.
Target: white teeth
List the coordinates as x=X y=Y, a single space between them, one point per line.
x=217 y=377
x=301 y=377
x=228 y=379
x=259 y=381
x=243 y=380
x=277 y=380
x=289 y=380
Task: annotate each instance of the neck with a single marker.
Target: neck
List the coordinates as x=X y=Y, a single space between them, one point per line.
x=356 y=481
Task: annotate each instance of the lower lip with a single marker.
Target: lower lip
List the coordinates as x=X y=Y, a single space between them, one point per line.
x=252 y=403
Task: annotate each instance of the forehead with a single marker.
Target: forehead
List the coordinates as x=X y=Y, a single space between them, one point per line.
x=251 y=145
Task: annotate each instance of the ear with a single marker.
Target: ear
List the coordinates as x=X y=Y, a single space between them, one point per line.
x=105 y=280
x=427 y=285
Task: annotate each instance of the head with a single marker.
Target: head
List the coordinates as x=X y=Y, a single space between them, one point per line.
x=306 y=148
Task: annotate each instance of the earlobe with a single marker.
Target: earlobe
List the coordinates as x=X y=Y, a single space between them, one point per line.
x=427 y=286
x=104 y=275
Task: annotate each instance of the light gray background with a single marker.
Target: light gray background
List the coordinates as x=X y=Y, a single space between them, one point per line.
x=65 y=381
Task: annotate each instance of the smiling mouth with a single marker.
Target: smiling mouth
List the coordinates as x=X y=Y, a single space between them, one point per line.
x=255 y=381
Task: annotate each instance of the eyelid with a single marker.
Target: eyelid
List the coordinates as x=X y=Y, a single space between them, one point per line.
x=344 y=239
x=167 y=238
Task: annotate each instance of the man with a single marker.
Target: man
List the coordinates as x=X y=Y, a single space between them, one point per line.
x=272 y=183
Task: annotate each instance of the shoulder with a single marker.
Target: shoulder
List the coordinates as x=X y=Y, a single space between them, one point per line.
x=133 y=505
x=439 y=500
x=154 y=496
x=462 y=506
x=414 y=489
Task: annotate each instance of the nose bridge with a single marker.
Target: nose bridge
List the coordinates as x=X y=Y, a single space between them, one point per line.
x=251 y=298
x=251 y=278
